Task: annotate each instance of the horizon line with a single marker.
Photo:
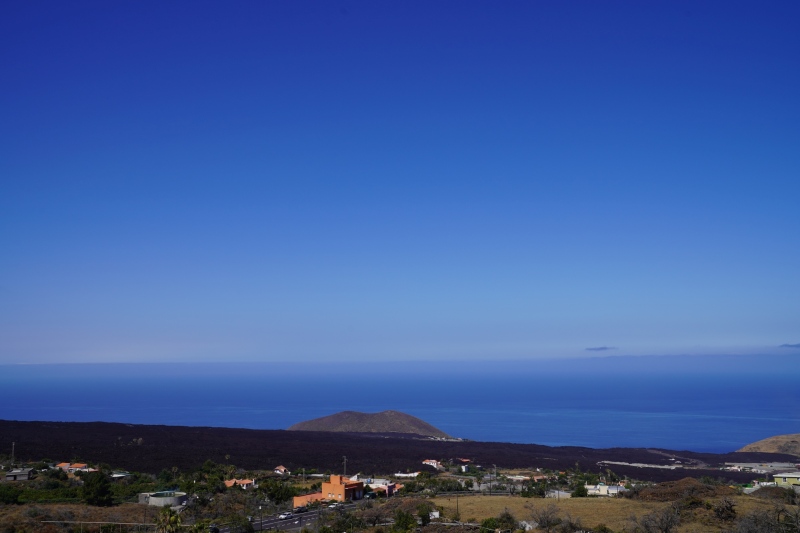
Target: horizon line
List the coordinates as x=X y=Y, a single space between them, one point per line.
x=401 y=361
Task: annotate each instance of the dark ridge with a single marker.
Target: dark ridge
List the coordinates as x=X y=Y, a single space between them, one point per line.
x=147 y=448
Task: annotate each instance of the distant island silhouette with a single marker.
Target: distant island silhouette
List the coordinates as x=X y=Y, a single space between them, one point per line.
x=383 y=422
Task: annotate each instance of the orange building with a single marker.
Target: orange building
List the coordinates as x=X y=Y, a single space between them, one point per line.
x=339 y=489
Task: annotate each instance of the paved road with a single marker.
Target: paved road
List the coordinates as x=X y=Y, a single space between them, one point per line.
x=296 y=523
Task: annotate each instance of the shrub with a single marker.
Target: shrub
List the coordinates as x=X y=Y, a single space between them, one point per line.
x=97 y=489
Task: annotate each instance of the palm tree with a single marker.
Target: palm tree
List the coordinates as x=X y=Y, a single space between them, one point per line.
x=199 y=527
x=168 y=521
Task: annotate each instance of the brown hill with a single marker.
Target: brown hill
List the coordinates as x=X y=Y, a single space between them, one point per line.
x=383 y=422
x=779 y=444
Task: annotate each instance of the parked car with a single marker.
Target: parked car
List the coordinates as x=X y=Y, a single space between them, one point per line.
x=285 y=516
x=298 y=510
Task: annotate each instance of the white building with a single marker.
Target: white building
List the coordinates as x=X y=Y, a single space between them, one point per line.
x=602 y=489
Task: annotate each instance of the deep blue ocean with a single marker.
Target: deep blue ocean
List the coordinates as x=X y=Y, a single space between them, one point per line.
x=714 y=404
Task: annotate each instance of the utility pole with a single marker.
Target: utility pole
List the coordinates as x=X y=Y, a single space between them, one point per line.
x=13 y=445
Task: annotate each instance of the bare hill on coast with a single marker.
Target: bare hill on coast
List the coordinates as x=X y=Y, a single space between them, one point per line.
x=383 y=422
x=778 y=444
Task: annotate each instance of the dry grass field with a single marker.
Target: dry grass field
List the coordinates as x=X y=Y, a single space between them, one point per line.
x=613 y=512
x=33 y=518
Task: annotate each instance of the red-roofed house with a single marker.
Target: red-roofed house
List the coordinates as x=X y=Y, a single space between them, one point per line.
x=387 y=490
x=434 y=463
x=242 y=483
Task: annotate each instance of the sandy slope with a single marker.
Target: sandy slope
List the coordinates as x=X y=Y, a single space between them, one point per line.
x=778 y=444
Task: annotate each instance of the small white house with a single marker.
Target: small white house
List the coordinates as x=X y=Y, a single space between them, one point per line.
x=602 y=489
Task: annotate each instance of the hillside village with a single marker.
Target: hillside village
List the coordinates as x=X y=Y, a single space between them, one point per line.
x=460 y=492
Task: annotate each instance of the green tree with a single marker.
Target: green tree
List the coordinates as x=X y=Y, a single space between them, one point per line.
x=238 y=524
x=534 y=490
x=506 y=520
x=9 y=493
x=97 y=489
x=490 y=524
x=215 y=484
x=403 y=521
x=168 y=521
x=424 y=513
x=56 y=473
x=201 y=526
x=580 y=491
x=278 y=491
x=165 y=479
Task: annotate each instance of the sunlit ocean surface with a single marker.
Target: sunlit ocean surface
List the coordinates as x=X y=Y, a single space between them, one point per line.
x=699 y=404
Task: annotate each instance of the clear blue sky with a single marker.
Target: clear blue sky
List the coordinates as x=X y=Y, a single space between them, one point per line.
x=263 y=181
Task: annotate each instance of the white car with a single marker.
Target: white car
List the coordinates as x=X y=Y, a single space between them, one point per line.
x=284 y=516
